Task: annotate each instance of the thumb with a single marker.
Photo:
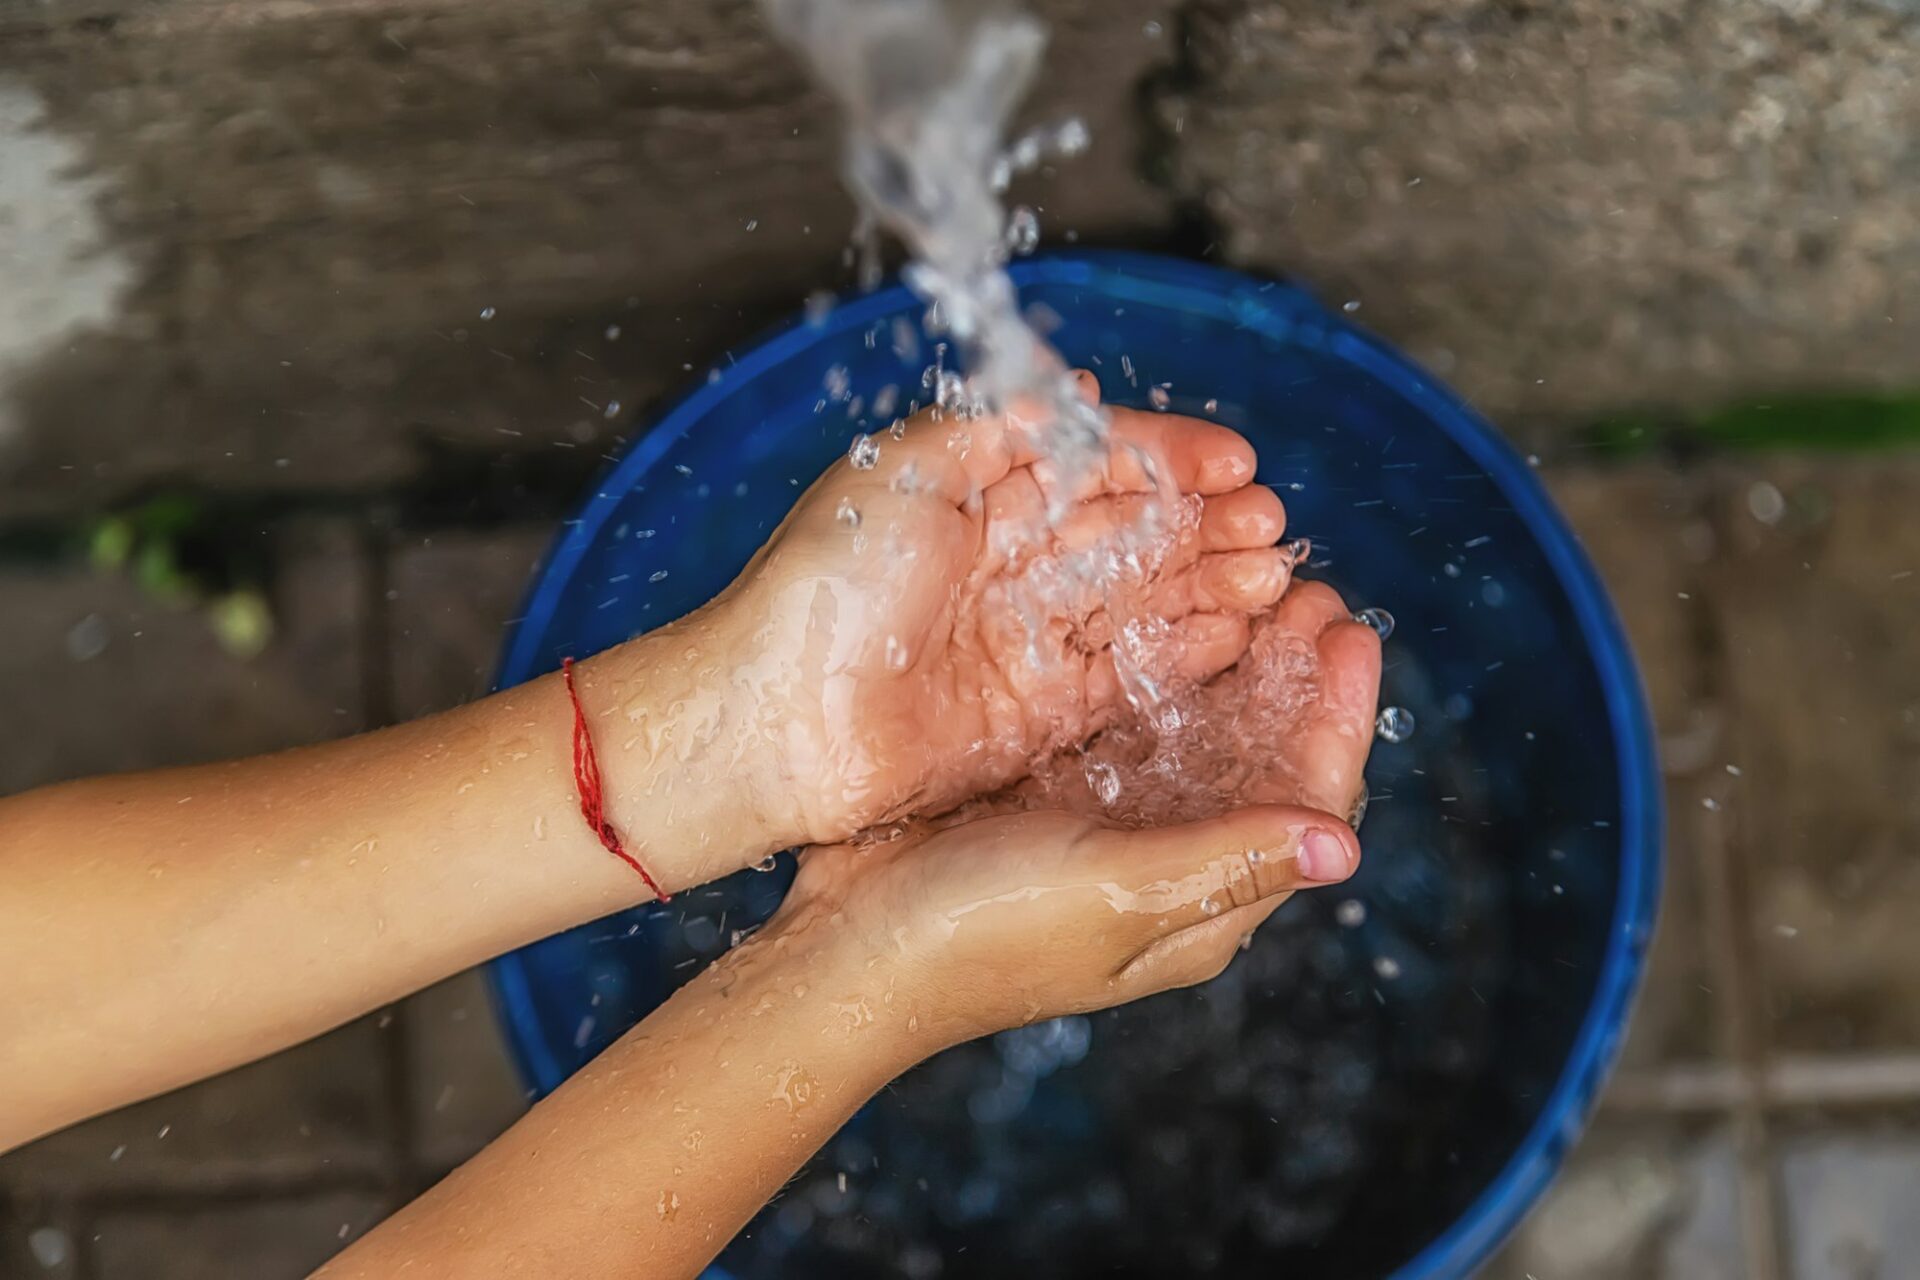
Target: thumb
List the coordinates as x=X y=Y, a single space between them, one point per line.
x=1195 y=872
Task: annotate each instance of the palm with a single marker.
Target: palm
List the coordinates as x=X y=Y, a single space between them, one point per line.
x=942 y=634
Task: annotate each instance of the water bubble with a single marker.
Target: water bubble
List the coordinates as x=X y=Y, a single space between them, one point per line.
x=1072 y=137
x=488 y=313
x=1151 y=30
x=864 y=452
x=1213 y=406
x=1394 y=724
x=1379 y=619
x=1023 y=230
x=1387 y=967
x=1766 y=503
x=767 y=863
x=1350 y=306
x=1105 y=781
x=1298 y=549
x=87 y=638
x=1158 y=397
x=613 y=333
x=1451 y=569
x=612 y=409
x=847 y=514
x=1351 y=913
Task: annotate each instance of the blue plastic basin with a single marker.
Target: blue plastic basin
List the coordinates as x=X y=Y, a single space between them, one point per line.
x=1358 y=1097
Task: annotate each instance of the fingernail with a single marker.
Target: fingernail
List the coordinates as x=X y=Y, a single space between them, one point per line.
x=1323 y=857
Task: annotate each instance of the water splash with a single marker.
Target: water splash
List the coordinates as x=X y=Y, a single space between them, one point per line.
x=927 y=92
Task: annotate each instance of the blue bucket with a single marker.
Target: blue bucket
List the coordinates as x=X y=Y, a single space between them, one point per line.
x=1387 y=1080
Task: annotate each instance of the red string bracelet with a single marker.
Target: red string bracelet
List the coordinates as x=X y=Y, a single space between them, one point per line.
x=586 y=777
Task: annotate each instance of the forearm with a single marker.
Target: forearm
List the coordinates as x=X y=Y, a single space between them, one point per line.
x=155 y=928
x=653 y=1157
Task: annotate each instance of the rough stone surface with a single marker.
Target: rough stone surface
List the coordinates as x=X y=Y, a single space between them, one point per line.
x=315 y=1113
x=1654 y=1201
x=271 y=1240
x=452 y=597
x=98 y=676
x=1817 y=606
x=463 y=1088
x=322 y=200
x=1576 y=206
x=1645 y=528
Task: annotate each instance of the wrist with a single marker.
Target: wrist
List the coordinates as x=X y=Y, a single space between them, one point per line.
x=867 y=993
x=691 y=767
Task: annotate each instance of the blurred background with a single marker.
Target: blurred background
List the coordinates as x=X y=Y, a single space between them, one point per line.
x=317 y=315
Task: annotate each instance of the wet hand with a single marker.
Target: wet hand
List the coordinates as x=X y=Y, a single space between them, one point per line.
x=923 y=626
x=1007 y=920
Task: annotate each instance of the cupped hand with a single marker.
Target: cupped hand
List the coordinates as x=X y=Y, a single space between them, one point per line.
x=1006 y=920
x=923 y=628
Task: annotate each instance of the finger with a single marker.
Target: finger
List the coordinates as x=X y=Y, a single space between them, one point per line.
x=1198 y=954
x=1310 y=608
x=1201 y=457
x=1250 y=516
x=1247 y=581
x=954 y=458
x=1333 y=754
x=1016 y=520
x=1189 y=874
x=1154 y=452
x=1209 y=643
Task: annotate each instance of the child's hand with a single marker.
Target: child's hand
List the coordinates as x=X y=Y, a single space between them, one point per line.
x=895 y=653
x=1006 y=920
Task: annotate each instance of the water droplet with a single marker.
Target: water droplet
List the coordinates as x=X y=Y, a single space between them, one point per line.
x=1072 y=137
x=1209 y=906
x=819 y=307
x=847 y=514
x=1298 y=549
x=864 y=452
x=1350 y=306
x=1394 y=724
x=896 y=654
x=1379 y=619
x=488 y=313
x=1766 y=503
x=1351 y=913
x=1213 y=406
x=1105 y=781
x=767 y=863
x=1158 y=397
x=657 y=575
x=613 y=333
x=839 y=383
x=1387 y=967
x=1359 y=812
x=1151 y=30
x=1023 y=230
x=612 y=410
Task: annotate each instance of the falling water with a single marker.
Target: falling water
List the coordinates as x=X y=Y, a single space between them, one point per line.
x=927 y=91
